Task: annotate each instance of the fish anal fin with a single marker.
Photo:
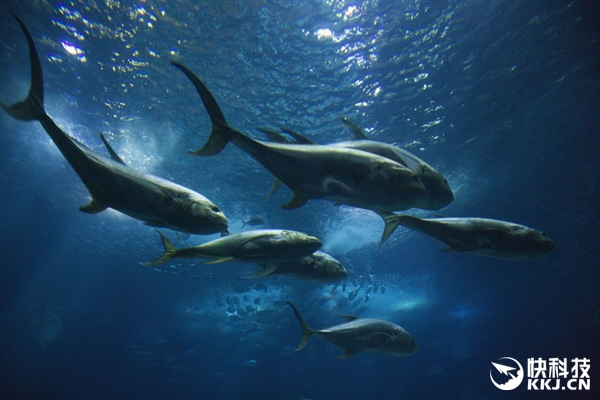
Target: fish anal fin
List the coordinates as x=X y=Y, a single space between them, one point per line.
x=93 y=207
x=297 y=201
x=391 y=223
x=220 y=260
x=349 y=353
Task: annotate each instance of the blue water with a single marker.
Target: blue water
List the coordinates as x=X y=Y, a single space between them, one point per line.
x=501 y=97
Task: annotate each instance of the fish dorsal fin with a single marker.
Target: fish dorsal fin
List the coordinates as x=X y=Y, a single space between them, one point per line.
x=274 y=188
x=224 y=233
x=297 y=201
x=391 y=223
x=273 y=136
x=113 y=154
x=349 y=353
x=301 y=139
x=349 y=317
x=93 y=207
x=267 y=269
x=220 y=260
x=358 y=133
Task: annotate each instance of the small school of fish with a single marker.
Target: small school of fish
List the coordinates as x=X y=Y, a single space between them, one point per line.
x=359 y=173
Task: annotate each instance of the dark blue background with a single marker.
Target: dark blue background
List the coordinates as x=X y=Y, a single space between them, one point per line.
x=501 y=97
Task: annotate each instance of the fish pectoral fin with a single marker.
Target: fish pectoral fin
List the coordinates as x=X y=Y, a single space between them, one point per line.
x=220 y=260
x=348 y=353
x=391 y=223
x=349 y=317
x=297 y=201
x=93 y=207
x=274 y=188
x=455 y=246
x=451 y=250
x=490 y=237
x=267 y=269
x=377 y=337
x=485 y=243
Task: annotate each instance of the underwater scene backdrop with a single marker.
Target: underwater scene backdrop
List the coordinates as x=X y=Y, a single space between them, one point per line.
x=501 y=97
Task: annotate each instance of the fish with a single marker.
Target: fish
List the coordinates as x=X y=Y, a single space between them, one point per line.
x=270 y=246
x=318 y=267
x=358 y=334
x=45 y=324
x=253 y=221
x=484 y=237
x=155 y=201
x=352 y=294
x=439 y=193
x=341 y=175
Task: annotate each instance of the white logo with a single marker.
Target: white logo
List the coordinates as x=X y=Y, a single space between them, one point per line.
x=514 y=381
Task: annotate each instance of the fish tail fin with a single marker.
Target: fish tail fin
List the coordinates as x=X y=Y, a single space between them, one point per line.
x=306 y=331
x=221 y=131
x=32 y=108
x=391 y=223
x=169 y=254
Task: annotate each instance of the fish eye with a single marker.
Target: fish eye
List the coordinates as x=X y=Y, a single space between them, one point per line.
x=414 y=178
x=215 y=209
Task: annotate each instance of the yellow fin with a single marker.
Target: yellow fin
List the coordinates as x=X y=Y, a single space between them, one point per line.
x=349 y=353
x=170 y=252
x=268 y=269
x=391 y=223
x=274 y=188
x=220 y=260
x=93 y=207
x=297 y=201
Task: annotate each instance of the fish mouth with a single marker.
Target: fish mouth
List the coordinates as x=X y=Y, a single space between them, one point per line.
x=205 y=226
